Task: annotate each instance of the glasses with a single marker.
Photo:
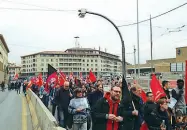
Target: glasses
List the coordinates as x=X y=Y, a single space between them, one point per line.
x=117 y=91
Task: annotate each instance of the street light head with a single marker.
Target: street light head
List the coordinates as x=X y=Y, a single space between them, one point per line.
x=82 y=13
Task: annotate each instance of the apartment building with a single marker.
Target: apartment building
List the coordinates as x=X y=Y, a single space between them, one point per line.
x=4 y=50
x=71 y=60
x=13 y=69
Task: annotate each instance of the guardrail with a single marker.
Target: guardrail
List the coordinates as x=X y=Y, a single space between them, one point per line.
x=45 y=120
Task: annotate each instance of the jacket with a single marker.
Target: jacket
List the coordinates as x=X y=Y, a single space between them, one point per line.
x=75 y=103
x=102 y=108
x=63 y=99
x=94 y=97
x=130 y=121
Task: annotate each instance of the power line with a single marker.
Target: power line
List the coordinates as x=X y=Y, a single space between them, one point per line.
x=25 y=46
x=154 y=16
x=44 y=7
x=26 y=9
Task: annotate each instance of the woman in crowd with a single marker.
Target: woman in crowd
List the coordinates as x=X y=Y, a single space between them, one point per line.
x=79 y=108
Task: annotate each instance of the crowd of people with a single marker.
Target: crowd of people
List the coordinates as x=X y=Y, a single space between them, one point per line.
x=86 y=106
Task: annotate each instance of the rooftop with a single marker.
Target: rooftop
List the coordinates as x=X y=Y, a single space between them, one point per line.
x=182 y=47
x=66 y=52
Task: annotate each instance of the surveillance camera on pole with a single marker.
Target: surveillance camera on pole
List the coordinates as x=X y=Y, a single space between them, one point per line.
x=82 y=13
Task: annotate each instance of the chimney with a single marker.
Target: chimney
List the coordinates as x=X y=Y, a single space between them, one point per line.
x=105 y=49
x=99 y=48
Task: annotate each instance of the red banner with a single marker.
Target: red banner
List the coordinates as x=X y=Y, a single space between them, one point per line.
x=186 y=81
x=156 y=88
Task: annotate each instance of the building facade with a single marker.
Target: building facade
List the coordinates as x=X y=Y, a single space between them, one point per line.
x=74 y=60
x=13 y=69
x=164 y=65
x=4 y=50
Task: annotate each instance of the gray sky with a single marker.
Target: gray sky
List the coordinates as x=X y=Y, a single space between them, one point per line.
x=33 y=31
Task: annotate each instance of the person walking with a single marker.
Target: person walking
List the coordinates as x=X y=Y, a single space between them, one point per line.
x=79 y=108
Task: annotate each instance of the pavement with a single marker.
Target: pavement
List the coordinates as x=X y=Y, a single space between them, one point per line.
x=14 y=112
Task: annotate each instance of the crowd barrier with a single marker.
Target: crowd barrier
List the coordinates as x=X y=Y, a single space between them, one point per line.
x=42 y=118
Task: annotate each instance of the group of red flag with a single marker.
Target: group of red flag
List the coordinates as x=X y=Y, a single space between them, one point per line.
x=59 y=78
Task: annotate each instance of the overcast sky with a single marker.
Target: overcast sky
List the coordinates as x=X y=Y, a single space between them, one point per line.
x=28 y=32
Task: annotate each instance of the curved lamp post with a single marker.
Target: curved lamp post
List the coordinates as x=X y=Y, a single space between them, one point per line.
x=83 y=12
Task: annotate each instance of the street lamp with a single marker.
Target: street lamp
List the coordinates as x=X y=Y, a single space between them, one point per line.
x=83 y=12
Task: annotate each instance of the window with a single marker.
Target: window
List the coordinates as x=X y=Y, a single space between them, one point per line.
x=42 y=69
x=47 y=60
x=95 y=69
x=87 y=60
x=56 y=60
x=91 y=60
x=56 y=64
x=42 y=64
x=51 y=60
x=87 y=69
x=91 y=64
x=42 y=60
x=82 y=60
x=83 y=69
x=95 y=60
x=95 y=64
x=87 y=64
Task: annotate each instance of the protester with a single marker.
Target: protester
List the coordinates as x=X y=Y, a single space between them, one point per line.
x=178 y=94
x=79 y=108
x=107 y=112
x=96 y=95
x=63 y=98
x=166 y=88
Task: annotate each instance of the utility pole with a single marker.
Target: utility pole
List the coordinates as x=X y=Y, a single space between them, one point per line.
x=138 y=47
x=76 y=47
x=151 y=41
x=134 y=62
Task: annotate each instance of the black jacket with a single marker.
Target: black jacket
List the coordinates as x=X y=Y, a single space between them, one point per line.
x=149 y=107
x=94 y=97
x=167 y=93
x=132 y=122
x=155 y=118
x=63 y=99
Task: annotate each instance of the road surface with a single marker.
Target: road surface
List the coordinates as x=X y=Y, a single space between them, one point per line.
x=14 y=112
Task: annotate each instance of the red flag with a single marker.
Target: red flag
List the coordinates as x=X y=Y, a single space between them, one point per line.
x=62 y=78
x=186 y=82
x=39 y=80
x=51 y=79
x=143 y=96
x=156 y=88
x=80 y=76
x=144 y=126
x=16 y=77
x=29 y=84
x=92 y=77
